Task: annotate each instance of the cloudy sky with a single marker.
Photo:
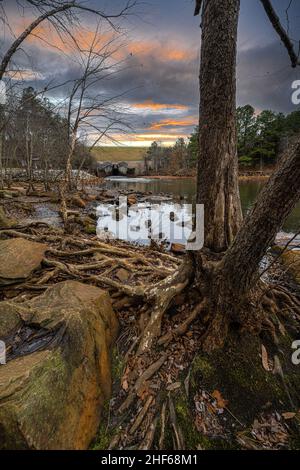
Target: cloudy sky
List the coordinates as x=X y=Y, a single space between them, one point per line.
x=159 y=77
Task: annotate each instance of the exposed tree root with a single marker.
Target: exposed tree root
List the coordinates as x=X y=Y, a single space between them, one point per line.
x=162 y=294
x=92 y=261
x=178 y=435
x=105 y=260
x=163 y=426
x=149 y=437
x=152 y=369
x=183 y=327
x=141 y=415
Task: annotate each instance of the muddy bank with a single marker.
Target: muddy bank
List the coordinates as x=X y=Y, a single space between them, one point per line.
x=243 y=176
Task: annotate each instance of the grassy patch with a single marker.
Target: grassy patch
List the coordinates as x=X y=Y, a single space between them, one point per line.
x=119 y=154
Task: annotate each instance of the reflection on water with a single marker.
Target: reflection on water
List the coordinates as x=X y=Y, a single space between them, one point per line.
x=249 y=192
x=143 y=222
x=184 y=189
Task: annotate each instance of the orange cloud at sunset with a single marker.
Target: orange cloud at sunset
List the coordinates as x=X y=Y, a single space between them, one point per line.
x=144 y=140
x=24 y=74
x=177 y=54
x=187 y=122
x=168 y=51
x=44 y=35
x=149 y=104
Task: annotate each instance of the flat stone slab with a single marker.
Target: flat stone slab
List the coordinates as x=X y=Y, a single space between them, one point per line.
x=19 y=258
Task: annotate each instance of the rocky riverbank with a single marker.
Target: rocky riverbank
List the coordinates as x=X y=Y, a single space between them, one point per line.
x=64 y=296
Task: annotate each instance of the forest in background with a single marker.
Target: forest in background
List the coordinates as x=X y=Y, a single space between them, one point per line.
x=262 y=137
x=33 y=125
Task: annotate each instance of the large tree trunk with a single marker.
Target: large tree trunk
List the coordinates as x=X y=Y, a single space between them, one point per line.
x=227 y=268
x=217 y=186
x=264 y=221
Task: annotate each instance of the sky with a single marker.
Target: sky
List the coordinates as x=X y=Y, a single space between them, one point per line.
x=158 y=85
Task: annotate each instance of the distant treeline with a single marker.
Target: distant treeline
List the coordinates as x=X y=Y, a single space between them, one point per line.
x=261 y=138
x=35 y=135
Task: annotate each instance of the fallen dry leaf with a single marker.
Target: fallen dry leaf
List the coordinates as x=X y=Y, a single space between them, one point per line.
x=143 y=391
x=282 y=329
x=125 y=385
x=221 y=402
x=124 y=380
x=269 y=431
x=173 y=386
x=206 y=419
x=288 y=415
x=265 y=359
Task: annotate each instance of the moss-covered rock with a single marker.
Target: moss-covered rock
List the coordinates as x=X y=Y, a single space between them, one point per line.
x=291 y=259
x=52 y=398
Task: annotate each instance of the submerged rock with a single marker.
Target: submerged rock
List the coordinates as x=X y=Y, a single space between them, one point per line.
x=19 y=258
x=56 y=380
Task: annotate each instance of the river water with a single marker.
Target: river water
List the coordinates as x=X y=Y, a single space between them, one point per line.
x=185 y=189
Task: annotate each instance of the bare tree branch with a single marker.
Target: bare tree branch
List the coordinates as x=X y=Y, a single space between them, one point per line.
x=198 y=7
x=16 y=44
x=51 y=14
x=275 y=20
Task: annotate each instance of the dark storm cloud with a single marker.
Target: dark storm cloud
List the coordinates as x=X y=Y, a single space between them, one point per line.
x=265 y=78
x=164 y=65
x=159 y=80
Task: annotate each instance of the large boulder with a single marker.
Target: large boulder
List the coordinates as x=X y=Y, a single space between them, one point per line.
x=19 y=258
x=57 y=375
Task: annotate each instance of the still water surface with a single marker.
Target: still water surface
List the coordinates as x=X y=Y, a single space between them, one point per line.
x=186 y=189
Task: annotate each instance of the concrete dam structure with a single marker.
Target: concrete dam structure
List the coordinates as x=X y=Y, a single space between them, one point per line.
x=130 y=168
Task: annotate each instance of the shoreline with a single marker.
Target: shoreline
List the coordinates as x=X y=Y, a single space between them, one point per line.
x=242 y=177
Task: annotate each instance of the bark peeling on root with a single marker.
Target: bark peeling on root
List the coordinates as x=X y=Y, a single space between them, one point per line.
x=162 y=295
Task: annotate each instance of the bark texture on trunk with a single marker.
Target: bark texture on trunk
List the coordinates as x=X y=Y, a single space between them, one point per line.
x=217 y=186
x=264 y=221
